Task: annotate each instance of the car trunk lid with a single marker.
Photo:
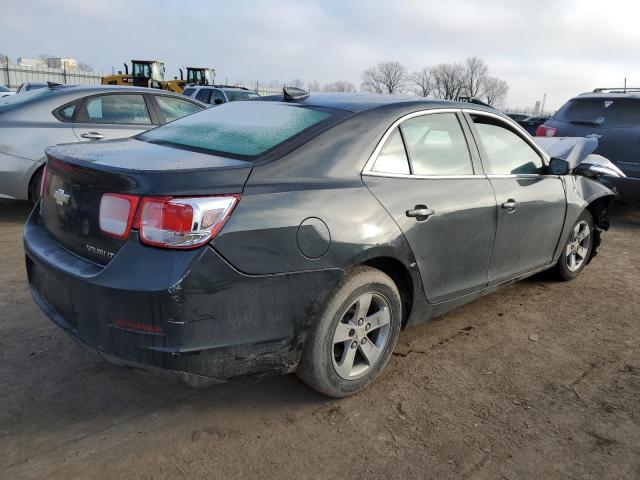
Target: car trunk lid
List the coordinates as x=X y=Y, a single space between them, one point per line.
x=78 y=176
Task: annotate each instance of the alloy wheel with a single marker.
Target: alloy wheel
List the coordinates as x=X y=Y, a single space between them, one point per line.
x=361 y=336
x=578 y=246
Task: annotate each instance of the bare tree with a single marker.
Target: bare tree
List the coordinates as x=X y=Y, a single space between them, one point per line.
x=339 y=86
x=495 y=90
x=84 y=67
x=423 y=82
x=449 y=80
x=314 y=86
x=387 y=77
x=475 y=73
x=296 y=82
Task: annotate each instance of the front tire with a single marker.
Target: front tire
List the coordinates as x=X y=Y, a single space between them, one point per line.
x=577 y=249
x=355 y=334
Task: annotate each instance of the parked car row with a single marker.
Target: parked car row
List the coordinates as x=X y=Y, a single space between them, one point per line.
x=33 y=120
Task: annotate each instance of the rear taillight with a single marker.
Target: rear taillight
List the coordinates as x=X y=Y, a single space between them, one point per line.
x=117 y=212
x=43 y=180
x=171 y=222
x=544 y=131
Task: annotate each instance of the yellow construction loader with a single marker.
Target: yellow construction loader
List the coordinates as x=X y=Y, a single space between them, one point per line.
x=195 y=76
x=144 y=73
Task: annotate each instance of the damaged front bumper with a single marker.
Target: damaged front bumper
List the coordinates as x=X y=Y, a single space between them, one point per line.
x=187 y=312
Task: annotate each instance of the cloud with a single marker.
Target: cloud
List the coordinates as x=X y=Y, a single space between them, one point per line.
x=558 y=48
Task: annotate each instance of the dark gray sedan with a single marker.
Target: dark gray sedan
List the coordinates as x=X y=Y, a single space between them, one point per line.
x=300 y=235
x=33 y=120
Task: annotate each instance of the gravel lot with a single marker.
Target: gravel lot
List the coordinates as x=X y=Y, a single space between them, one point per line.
x=540 y=380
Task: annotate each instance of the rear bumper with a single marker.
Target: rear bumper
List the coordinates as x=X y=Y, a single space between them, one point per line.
x=188 y=312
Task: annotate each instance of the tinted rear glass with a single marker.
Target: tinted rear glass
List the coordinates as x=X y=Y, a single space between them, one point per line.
x=238 y=128
x=601 y=111
x=23 y=98
x=237 y=95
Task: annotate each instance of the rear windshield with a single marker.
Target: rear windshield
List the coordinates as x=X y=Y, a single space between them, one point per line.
x=24 y=98
x=237 y=95
x=244 y=129
x=610 y=112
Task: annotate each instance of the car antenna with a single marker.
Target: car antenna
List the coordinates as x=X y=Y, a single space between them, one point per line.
x=294 y=94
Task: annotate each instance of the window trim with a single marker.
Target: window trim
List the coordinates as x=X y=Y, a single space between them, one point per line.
x=368 y=168
x=518 y=131
x=57 y=112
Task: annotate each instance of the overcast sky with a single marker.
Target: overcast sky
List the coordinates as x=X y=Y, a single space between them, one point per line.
x=554 y=46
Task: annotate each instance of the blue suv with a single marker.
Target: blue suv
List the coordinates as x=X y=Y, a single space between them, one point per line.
x=612 y=115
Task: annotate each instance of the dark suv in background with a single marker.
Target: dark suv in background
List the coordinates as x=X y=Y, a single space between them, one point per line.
x=612 y=115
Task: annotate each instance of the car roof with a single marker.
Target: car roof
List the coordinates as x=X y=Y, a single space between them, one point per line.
x=221 y=87
x=608 y=95
x=358 y=102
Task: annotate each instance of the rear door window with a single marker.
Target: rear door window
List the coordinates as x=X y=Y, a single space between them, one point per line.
x=437 y=145
x=129 y=109
x=612 y=112
x=203 y=95
x=175 y=108
x=238 y=128
x=217 y=95
x=393 y=157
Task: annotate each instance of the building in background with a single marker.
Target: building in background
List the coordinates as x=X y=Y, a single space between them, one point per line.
x=50 y=62
x=32 y=62
x=59 y=62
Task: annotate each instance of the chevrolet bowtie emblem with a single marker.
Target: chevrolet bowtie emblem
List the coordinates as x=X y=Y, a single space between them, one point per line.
x=62 y=197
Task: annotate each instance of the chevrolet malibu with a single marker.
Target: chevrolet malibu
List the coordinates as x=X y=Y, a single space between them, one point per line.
x=300 y=235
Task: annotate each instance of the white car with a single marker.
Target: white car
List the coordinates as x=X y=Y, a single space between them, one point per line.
x=218 y=94
x=5 y=92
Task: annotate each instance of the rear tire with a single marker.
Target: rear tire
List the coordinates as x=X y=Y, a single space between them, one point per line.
x=577 y=249
x=34 y=186
x=355 y=334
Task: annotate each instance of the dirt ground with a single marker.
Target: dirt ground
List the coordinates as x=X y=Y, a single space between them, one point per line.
x=540 y=380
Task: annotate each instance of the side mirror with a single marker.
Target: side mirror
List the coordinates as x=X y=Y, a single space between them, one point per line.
x=557 y=166
x=218 y=101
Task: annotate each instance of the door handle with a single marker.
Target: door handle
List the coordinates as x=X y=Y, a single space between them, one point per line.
x=92 y=136
x=421 y=212
x=510 y=205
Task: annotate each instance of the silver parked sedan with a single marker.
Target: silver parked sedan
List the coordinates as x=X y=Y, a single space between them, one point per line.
x=33 y=120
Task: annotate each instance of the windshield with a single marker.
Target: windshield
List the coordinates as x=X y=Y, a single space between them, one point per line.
x=241 y=129
x=236 y=95
x=4 y=89
x=612 y=112
x=148 y=70
x=200 y=77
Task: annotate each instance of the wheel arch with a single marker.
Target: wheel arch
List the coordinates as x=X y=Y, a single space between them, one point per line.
x=35 y=170
x=401 y=275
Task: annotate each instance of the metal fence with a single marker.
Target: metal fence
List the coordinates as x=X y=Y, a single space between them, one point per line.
x=14 y=75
